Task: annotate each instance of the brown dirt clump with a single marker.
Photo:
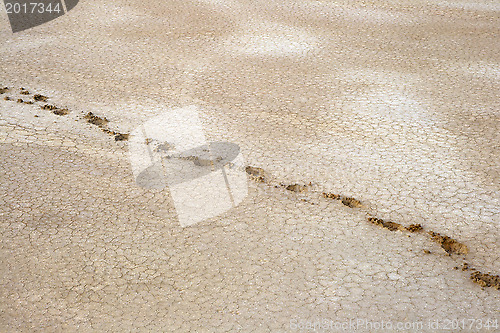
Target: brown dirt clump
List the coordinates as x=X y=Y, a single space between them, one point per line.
x=118 y=136
x=48 y=107
x=257 y=173
x=105 y=130
x=96 y=120
x=28 y=102
x=4 y=90
x=55 y=110
x=448 y=244
x=351 y=202
x=6 y=98
x=40 y=98
x=392 y=226
x=19 y=100
x=60 y=112
x=296 y=188
x=486 y=280
x=25 y=92
x=414 y=228
x=121 y=137
x=331 y=196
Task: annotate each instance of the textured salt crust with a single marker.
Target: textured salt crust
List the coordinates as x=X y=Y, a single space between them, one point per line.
x=117 y=259
x=481 y=70
x=272 y=40
x=344 y=273
x=270 y=45
x=489 y=6
x=22 y=43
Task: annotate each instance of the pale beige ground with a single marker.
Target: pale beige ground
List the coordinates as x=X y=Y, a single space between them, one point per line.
x=392 y=102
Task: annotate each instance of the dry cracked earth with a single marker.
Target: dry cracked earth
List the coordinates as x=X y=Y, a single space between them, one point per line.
x=371 y=135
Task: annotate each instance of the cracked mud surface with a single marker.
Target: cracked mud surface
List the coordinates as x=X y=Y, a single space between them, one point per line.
x=392 y=105
x=449 y=245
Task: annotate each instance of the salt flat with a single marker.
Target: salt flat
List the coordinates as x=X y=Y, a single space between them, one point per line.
x=393 y=103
